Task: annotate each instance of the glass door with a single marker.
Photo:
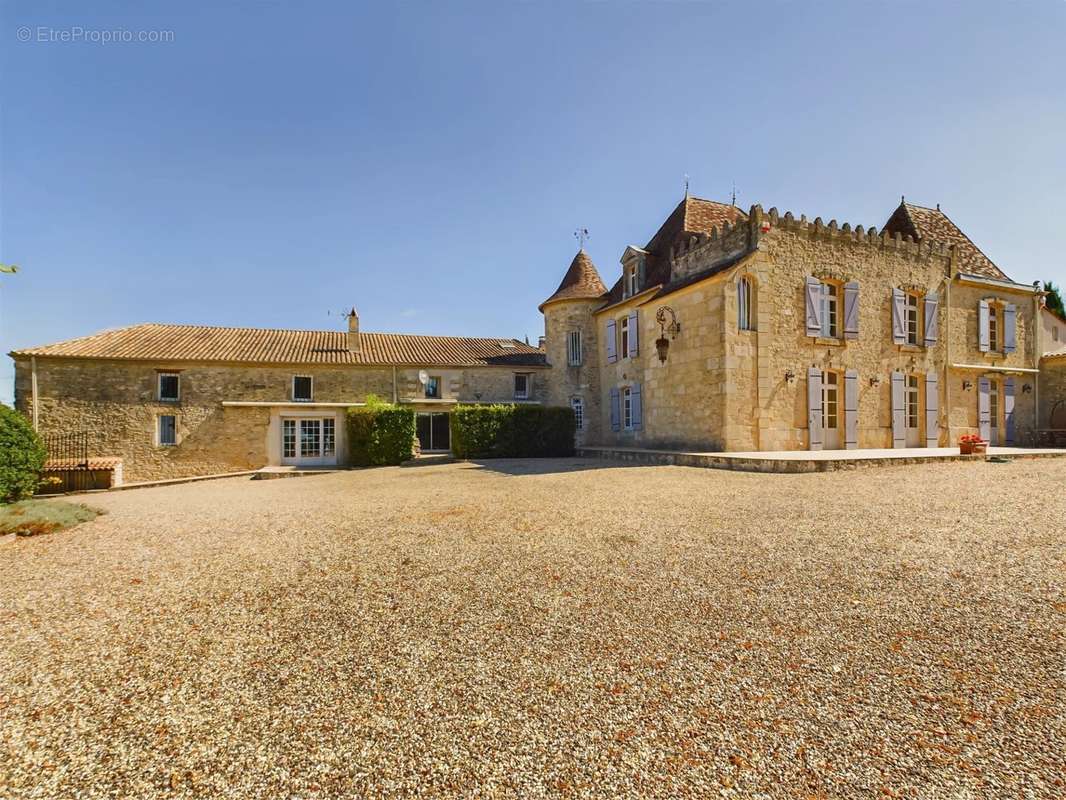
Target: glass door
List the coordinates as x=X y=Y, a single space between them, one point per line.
x=830 y=411
x=433 y=432
x=912 y=400
x=309 y=441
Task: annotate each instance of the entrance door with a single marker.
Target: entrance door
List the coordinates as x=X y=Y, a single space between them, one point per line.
x=993 y=411
x=434 y=435
x=830 y=411
x=913 y=401
x=309 y=441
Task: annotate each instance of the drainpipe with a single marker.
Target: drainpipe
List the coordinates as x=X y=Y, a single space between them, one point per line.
x=33 y=391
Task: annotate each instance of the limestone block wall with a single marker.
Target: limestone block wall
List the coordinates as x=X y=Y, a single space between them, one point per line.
x=567 y=382
x=1053 y=338
x=1052 y=393
x=116 y=403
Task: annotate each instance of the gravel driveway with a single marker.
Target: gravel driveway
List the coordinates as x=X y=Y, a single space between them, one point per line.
x=560 y=628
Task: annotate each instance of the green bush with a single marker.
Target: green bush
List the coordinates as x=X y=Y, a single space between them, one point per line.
x=507 y=431
x=380 y=433
x=22 y=456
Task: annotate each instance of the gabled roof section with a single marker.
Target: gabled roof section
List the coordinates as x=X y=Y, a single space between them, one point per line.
x=691 y=216
x=932 y=223
x=581 y=282
x=172 y=343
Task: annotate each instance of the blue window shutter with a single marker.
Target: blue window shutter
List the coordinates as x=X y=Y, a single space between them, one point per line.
x=612 y=344
x=634 y=347
x=616 y=410
x=814 y=408
x=932 y=304
x=899 y=327
x=813 y=296
x=1010 y=339
x=983 y=333
x=637 y=407
x=851 y=410
x=1008 y=408
x=851 y=310
x=899 y=410
x=932 y=409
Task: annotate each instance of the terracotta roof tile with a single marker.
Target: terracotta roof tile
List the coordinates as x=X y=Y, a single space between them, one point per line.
x=156 y=342
x=932 y=223
x=582 y=281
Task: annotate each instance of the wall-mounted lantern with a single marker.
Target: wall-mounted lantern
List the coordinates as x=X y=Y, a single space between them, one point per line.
x=789 y=376
x=875 y=381
x=1027 y=388
x=673 y=327
x=967 y=385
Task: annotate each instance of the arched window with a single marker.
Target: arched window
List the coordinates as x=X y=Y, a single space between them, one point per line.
x=745 y=308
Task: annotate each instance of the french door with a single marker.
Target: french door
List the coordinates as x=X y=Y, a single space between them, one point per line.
x=912 y=400
x=830 y=411
x=433 y=432
x=309 y=441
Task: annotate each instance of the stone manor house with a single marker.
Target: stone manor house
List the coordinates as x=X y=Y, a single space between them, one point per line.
x=728 y=330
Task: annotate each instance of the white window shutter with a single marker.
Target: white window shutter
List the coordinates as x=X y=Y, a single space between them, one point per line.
x=813 y=295
x=1008 y=408
x=1010 y=321
x=899 y=326
x=851 y=310
x=932 y=331
x=983 y=334
x=636 y=407
x=932 y=410
x=899 y=413
x=984 y=410
x=814 y=408
x=851 y=410
x=612 y=342
x=634 y=347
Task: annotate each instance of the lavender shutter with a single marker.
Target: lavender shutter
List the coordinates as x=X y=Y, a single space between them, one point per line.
x=634 y=347
x=984 y=410
x=851 y=310
x=814 y=408
x=983 y=335
x=636 y=407
x=1010 y=317
x=899 y=414
x=899 y=327
x=616 y=410
x=851 y=410
x=1008 y=408
x=932 y=410
x=814 y=306
x=612 y=342
x=932 y=305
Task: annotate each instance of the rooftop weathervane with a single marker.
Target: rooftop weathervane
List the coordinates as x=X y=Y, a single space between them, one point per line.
x=582 y=235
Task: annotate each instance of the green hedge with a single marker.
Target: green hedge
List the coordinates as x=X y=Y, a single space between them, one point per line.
x=22 y=456
x=506 y=431
x=380 y=434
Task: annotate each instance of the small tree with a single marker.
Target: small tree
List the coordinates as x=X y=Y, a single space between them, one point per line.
x=22 y=456
x=1054 y=299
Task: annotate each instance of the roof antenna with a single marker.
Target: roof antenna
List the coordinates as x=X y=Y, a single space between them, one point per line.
x=686 y=186
x=734 y=193
x=582 y=235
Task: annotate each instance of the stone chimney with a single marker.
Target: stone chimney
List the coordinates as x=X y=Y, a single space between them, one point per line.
x=355 y=343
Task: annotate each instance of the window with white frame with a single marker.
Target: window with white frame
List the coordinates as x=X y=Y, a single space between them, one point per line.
x=169 y=387
x=912 y=320
x=521 y=386
x=623 y=326
x=993 y=327
x=168 y=430
x=830 y=310
x=578 y=405
x=632 y=284
x=627 y=408
x=573 y=348
x=433 y=387
x=303 y=388
x=745 y=316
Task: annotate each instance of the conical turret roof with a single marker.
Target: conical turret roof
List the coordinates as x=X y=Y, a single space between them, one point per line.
x=581 y=282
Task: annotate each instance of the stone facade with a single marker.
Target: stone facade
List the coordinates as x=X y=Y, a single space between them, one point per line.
x=726 y=388
x=228 y=415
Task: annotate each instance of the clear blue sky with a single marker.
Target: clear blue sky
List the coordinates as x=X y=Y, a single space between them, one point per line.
x=429 y=162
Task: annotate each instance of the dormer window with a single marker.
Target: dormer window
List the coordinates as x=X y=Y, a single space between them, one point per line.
x=632 y=282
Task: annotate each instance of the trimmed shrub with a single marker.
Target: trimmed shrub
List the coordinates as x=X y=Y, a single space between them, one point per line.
x=380 y=434
x=508 y=431
x=22 y=456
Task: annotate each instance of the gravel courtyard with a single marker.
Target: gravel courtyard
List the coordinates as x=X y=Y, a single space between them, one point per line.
x=532 y=629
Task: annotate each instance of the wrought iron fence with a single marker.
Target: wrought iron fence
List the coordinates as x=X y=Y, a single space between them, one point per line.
x=68 y=468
